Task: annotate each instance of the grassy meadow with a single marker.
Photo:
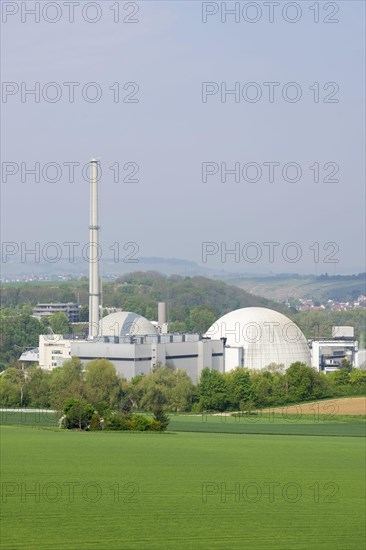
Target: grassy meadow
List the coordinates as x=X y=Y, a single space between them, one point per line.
x=189 y=488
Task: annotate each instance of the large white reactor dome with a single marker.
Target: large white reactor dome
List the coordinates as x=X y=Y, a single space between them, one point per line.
x=257 y=337
x=126 y=323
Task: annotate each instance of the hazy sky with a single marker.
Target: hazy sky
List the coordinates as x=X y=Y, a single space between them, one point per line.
x=169 y=131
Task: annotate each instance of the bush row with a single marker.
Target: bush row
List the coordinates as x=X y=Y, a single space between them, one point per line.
x=81 y=415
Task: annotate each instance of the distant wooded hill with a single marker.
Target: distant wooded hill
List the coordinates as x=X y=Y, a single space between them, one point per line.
x=140 y=292
x=341 y=288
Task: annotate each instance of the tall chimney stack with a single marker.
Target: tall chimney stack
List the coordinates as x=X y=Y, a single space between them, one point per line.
x=94 y=281
x=161 y=313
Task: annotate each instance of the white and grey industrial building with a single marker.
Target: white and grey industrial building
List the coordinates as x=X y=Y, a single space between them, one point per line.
x=135 y=346
x=251 y=337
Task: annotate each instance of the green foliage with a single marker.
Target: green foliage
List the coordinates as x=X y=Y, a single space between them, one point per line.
x=96 y=423
x=119 y=421
x=161 y=419
x=200 y=319
x=126 y=404
x=38 y=387
x=139 y=423
x=341 y=377
x=102 y=408
x=182 y=392
x=165 y=387
x=77 y=414
x=14 y=375
x=239 y=387
x=66 y=294
x=357 y=378
x=178 y=326
x=212 y=390
x=194 y=302
x=102 y=383
x=66 y=382
x=10 y=395
x=18 y=331
x=346 y=365
x=298 y=382
x=17 y=295
x=12 y=386
x=169 y=389
x=156 y=426
x=59 y=323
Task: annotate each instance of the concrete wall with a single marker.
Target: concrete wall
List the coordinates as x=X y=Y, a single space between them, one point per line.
x=53 y=351
x=133 y=359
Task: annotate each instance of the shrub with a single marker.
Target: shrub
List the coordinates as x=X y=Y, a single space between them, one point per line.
x=139 y=423
x=162 y=417
x=96 y=423
x=77 y=414
x=119 y=421
x=156 y=426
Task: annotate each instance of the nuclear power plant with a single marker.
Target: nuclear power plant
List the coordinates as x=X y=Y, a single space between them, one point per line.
x=252 y=337
x=94 y=277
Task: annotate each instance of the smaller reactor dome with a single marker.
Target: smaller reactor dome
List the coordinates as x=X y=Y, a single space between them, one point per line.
x=126 y=323
x=257 y=337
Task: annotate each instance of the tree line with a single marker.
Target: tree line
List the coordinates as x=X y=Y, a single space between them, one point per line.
x=172 y=390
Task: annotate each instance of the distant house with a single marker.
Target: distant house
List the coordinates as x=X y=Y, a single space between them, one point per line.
x=71 y=310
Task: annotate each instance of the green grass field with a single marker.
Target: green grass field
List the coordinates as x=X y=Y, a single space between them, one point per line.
x=269 y=424
x=182 y=490
x=263 y=423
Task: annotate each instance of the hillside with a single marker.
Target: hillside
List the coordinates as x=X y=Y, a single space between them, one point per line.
x=322 y=288
x=140 y=292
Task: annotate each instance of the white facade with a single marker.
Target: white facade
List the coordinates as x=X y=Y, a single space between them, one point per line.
x=234 y=357
x=328 y=354
x=135 y=355
x=257 y=336
x=138 y=355
x=53 y=351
